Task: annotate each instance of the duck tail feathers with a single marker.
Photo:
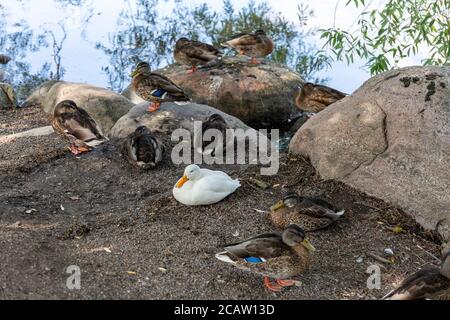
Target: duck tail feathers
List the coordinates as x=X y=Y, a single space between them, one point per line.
x=224 y=256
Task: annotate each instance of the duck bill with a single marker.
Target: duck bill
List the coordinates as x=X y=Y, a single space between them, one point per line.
x=134 y=73
x=181 y=182
x=308 y=245
x=277 y=206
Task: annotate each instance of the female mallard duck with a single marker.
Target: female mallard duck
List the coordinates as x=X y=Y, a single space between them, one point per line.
x=200 y=187
x=315 y=97
x=155 y=87
x=309 y=213
x=142 y=149
x=4 y=59
x=78 y=126
x=194 y=53
x=428 y=283
x=254 y=45
x=214 y=122
x=272 y=255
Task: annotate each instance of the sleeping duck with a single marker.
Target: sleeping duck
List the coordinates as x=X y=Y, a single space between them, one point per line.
x=194 y=53
x=273 y=255
x=309 y=213
x=315 y=97
x=77 y=126
x=214 y=122
x=200 y=187
x=253 y=45
x=428 y=283
x=155 y=87
x=142 y=149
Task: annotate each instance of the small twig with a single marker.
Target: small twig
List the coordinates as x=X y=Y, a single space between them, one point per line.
x=429 y=253
x=378 y=258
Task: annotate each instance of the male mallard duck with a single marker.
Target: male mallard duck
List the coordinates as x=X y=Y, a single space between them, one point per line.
x=315 y=97
x=155 y=87
x=4 y=59
x=254 y=45
x=214 y=122
x=428 y=283
x=272 y=255
x=200 y=187
x=194 y=53
x=309 y=213
x=78 y=126
x=143 y=149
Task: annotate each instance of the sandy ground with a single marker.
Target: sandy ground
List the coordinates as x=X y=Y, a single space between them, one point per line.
x=131 y=239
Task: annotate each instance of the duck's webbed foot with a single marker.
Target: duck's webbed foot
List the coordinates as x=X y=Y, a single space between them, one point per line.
x=287 y=283
x=77 y=150
x=253 y=60
x=154 y=106
x=272 y=286
x=192 y=70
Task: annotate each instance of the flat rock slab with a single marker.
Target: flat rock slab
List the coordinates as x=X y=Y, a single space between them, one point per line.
x=259 y=95
x=390 y=139
x=106 y=107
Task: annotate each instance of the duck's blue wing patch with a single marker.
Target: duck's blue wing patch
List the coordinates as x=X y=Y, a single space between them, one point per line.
x=158 y=93
x=254 y=259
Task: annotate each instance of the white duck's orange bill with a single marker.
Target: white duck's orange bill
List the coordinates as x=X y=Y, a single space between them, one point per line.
x=181 y=182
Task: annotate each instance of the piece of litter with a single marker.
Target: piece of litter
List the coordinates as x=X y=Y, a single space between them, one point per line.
x=398 y=229
x=360 y=260
x=107 y=250
x=132 y=273
x=74 y=198
x=276 y=185
x=236 y=234
x=259 y=211
x=259 y=183
x=62 y=208
x=163 y=270
x=388 y=252
x=30 y=211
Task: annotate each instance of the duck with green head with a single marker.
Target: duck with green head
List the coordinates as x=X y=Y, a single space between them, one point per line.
x=155 y=87
x=273 y=255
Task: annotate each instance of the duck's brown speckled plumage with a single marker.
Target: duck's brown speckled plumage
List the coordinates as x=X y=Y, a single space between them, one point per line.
x=255 y=45
x=315 y=97
x=142 y=149
x=428 y=283
x=194 y=53
x=282 y=261
x=76 y=124
x=145 y=83
x=311 y=214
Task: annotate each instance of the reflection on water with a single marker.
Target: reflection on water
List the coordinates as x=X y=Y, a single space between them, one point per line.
x=97 y=40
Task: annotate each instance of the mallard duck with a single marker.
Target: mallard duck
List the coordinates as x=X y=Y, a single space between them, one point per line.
x=155 y=87
x=428 y=283
x=254 y=45
x=315 y=97
x=194 y=53
x=272 y=255
x=214 y=122
x=309 y=213
x=77 y=126
x=142 y=149
x=203 y=187
x=4 y=59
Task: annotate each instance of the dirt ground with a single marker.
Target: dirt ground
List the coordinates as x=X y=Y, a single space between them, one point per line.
x=132 y=240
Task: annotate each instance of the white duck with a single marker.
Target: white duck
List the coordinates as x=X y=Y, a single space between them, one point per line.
x=200 y=187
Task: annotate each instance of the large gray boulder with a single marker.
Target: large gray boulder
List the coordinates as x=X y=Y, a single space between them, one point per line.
x=169 y=117
x=260 y=95
x=106 y=107
x=390 y=139
x=7 y=96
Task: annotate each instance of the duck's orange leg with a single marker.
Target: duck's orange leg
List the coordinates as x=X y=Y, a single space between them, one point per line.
x=253 y=60
x=272 y=286
x=286 y=283
x=154 y=106
x=79 y=150
x=194 y=69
